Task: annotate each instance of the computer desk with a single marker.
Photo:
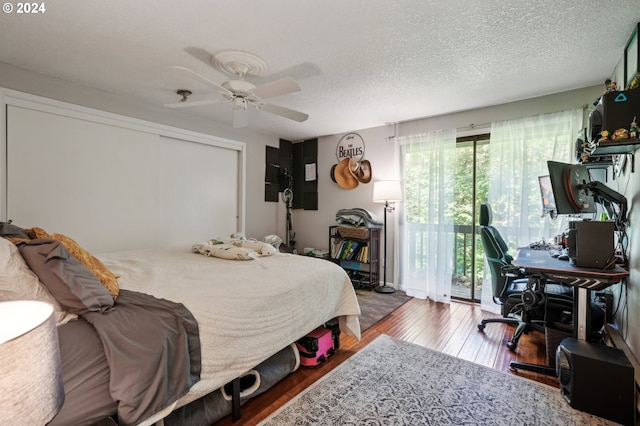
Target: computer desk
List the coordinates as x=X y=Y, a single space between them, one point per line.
x=542 y=265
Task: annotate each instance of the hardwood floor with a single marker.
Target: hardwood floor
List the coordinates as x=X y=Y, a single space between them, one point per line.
x=451 y=329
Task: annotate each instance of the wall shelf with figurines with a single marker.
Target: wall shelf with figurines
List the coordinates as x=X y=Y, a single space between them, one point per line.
x=603 y=154
x=613 y=128
x=623 y=141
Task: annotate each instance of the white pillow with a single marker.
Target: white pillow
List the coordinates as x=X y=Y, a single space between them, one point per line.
x=224 y=251
x=19 y=282
x=262 y=248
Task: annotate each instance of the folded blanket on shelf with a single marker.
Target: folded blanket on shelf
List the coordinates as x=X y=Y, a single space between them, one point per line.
x=357 y=217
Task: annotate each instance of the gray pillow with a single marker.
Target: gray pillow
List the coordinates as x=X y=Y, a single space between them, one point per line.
x=75 y=288
x=12 y=232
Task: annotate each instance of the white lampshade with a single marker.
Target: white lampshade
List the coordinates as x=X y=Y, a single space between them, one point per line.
x=387 y=191
x=31 y=389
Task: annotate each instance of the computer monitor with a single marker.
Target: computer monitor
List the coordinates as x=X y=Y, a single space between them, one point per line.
x=546 y=194
x=570 y=183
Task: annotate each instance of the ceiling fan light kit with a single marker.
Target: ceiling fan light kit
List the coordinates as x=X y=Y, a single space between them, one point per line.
x=240 y=92
x=237 y=62
x=239 y=103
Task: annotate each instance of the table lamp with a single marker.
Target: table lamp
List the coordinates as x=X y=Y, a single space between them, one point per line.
x=31 y=388
x=386 y=191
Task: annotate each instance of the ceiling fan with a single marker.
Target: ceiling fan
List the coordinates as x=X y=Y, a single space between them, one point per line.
x=239 y=92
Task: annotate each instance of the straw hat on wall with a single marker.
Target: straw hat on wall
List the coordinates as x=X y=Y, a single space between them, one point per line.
x=363 y=174
x=344 y=174
x=348 y=173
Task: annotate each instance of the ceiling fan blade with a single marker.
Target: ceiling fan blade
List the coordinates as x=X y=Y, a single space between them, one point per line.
x=240 y=118
x=285 y=112
x=186 y=104
x=280 y=87
x=200 y=54
x=202 y=78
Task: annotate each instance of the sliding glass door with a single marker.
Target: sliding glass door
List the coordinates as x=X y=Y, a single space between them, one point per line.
x=470 y=189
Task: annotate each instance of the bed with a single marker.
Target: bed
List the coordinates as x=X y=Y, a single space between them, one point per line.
x=246 y=311
x=156 y=186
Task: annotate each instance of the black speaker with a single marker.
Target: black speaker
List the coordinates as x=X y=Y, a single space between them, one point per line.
x=615 y=110
x=591 y=244
x=597 y=379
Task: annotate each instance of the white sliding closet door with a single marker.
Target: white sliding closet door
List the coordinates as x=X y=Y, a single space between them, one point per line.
x=199 y=189
x=113 y=188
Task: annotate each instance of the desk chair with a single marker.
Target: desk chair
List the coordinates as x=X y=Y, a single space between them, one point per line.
x=523 y=301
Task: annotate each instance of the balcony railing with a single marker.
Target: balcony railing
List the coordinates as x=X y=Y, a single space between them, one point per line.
x=463 y=250
x=418 y=234
x=462 y=255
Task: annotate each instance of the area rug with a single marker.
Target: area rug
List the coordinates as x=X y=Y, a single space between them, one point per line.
x=374 y=306
x=391 y=382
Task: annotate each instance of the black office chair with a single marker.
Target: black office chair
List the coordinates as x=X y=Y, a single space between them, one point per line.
x=524 y=303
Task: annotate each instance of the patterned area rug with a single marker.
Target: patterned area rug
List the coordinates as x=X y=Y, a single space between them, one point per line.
x=374 y=306
x=390 y=382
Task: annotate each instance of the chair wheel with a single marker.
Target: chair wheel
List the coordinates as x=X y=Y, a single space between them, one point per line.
x=512 y=346
x=481 y=327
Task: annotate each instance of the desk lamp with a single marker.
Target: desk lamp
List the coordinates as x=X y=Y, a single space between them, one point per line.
x=31 y=389
x=386 y=191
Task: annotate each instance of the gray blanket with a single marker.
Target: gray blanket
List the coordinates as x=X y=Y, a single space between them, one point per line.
x=357 y=217
x=153 y=350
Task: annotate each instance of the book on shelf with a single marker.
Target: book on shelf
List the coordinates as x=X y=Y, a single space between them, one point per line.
x=350 y=250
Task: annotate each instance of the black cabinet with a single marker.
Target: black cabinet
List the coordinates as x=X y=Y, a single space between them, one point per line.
x=357 y=251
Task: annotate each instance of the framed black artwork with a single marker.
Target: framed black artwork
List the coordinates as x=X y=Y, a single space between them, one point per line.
x=631 y=60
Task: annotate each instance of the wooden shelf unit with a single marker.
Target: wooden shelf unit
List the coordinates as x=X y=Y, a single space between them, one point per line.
x=364 y=273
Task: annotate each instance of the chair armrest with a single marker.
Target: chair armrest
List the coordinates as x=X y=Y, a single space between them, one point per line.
x=511 y=271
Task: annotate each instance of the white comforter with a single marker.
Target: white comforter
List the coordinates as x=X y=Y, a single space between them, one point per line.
x=246 y=310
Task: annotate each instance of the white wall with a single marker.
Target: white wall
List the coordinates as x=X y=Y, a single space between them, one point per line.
x=628 y=317
x=312 y=227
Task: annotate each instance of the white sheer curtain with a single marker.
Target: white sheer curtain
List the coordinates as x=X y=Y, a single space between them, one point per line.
x=426 y=219
x=519 y=150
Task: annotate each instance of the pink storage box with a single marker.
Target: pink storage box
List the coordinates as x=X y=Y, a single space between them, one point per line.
x=316 y=347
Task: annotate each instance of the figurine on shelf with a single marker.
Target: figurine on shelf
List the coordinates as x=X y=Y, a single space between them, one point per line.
x=610 y=86
x=605 y=135
x=633 y=130
x=620 y=134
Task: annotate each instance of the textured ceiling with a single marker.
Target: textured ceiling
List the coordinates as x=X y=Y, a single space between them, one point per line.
x=361 y=63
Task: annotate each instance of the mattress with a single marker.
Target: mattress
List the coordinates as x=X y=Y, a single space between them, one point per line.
x=246 y=310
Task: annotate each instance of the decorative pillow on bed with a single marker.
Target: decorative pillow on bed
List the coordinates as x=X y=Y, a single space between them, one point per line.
x=18 y=282
x=36 y=232
x=106 y=277
x=74 y=287
x=262 y=248
x=224 y=251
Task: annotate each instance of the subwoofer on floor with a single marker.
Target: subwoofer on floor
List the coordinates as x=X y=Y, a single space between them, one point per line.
x=597 y=379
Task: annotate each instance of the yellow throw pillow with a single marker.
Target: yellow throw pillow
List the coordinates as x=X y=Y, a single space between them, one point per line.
x=36 y=232
x=106 y=277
